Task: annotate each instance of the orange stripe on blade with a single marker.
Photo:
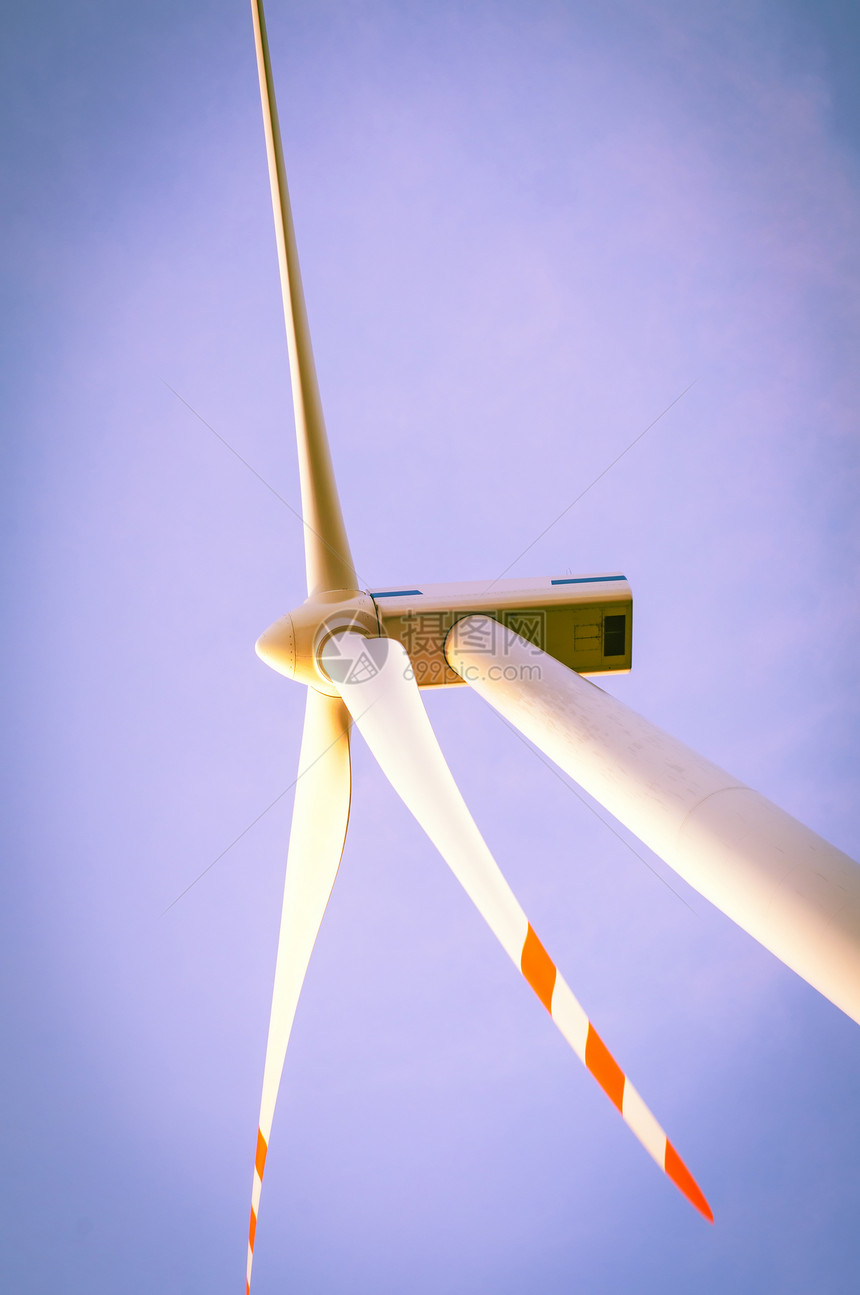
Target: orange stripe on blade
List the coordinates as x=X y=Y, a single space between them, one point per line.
x=252 y=1230
x=538 y=968
x=260 y=1158
x=604 y=1067
x=684 y=1180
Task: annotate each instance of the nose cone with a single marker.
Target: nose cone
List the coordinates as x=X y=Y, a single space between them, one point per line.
x=277 y=647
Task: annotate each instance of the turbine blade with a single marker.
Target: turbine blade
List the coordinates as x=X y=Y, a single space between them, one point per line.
x=782 y=883
x=328 y=561
x=320 y=817
x=374 y=677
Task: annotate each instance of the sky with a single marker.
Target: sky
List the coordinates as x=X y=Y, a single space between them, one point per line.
x=525 y=230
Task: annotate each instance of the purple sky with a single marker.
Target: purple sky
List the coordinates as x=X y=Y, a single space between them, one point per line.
x=524 y=230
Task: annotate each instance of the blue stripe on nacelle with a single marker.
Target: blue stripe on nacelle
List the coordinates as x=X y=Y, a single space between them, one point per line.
x=586 y=580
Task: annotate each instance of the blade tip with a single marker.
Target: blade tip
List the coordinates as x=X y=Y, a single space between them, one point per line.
x=685 y=1182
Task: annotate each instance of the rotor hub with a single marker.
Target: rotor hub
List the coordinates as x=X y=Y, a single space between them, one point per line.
x=295 y=644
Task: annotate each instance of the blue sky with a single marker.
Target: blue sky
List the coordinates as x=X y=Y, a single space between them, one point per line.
x=524 y=230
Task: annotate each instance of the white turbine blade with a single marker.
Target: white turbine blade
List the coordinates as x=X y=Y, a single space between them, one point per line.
x=320 y=816
x=375 y=679
x=328 y=560
x=792 y=891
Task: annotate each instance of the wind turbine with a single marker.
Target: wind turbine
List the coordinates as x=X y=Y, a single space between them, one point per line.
x=524 y=645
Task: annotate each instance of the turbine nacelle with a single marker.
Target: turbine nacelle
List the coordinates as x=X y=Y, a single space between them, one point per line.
x=302 y=645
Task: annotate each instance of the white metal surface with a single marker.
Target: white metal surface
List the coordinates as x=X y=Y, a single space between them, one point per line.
x=520 y=591
x=385 y=704
x=375 y=679
x=320 y=817
x=794 y=892
x=565 y=615
x=328 y=560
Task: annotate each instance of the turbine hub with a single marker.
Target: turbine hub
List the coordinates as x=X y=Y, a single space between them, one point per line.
x=294 y=644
